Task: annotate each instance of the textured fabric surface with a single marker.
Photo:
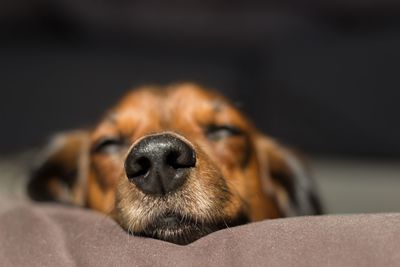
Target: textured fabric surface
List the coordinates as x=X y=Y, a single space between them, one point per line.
x=51 y=235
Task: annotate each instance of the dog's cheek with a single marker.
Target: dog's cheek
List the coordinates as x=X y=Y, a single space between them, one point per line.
x=132 y=209
x=262 y=205
x=99 y=198
x=216 y=190
x=123 y=203
x=247 y=195
x=233 y=152
x=107 y=169
x=102 y=182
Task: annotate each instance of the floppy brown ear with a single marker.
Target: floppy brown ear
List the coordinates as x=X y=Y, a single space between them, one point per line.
x=61 y=171
x=286 y=179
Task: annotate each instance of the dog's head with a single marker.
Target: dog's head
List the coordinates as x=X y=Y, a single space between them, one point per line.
x=175 y=164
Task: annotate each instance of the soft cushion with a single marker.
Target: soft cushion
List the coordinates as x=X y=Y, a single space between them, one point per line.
x=52 y=235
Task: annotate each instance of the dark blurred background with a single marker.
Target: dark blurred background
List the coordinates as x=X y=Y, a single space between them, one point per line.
x=321 y=76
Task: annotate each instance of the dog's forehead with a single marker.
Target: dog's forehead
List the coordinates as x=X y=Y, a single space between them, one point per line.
x=164 y=102
x=175 y=95
x=183 y=106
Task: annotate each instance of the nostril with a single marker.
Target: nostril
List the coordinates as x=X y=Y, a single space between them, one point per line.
x=139 y=167
x=172 y=159
x=180 y=159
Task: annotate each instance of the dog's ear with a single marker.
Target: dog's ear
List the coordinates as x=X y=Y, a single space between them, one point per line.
x=61 y=171
x=284 y=177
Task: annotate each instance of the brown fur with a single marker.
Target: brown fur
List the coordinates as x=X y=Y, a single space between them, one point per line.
x=234 y=176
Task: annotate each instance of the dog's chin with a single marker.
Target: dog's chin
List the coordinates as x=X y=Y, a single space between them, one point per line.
x=178 y=229
x=181 y=230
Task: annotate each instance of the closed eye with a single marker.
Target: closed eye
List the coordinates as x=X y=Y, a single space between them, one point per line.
x=218 y=132
x=107 y=145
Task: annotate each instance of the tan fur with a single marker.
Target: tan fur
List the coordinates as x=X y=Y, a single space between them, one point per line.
x=232 y=176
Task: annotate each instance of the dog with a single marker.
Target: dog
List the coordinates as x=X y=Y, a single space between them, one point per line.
x=175 y=164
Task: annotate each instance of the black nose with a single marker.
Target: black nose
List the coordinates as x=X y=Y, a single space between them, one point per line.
x=159 y=164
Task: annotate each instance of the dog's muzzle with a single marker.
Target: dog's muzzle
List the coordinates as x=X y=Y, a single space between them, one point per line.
x=159 y=164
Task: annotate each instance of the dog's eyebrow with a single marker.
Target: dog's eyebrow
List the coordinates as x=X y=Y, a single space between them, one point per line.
x=111 y=117
x=218 y=105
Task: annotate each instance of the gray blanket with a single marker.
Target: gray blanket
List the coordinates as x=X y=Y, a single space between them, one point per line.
x=51 y=235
